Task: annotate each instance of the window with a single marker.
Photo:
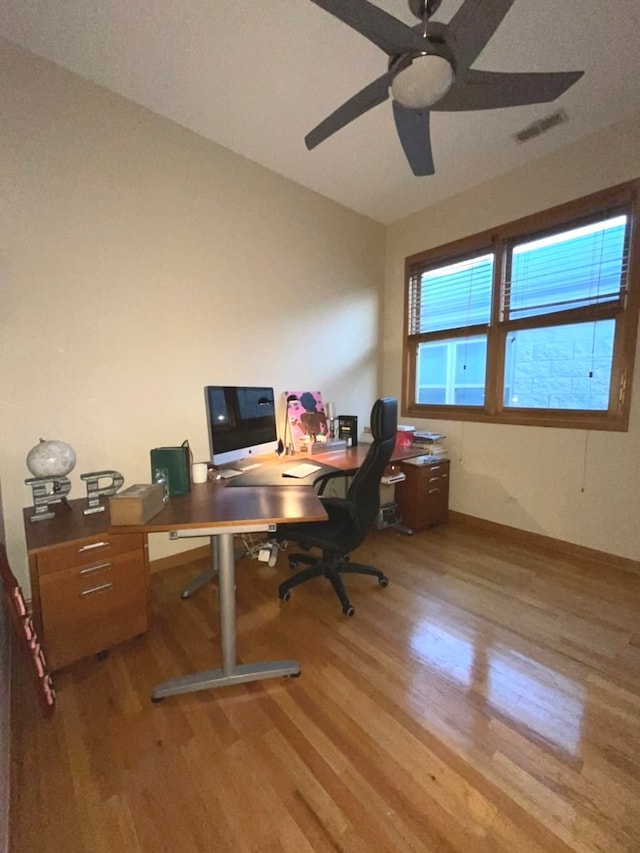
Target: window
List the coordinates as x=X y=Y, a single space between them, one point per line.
x=534 y=323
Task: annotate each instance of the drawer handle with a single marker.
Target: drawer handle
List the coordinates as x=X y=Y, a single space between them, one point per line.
x=92 y=546
x=433 y=491
x=435 y=467
x=434 y=479
x=91 y=569
x=100 y=588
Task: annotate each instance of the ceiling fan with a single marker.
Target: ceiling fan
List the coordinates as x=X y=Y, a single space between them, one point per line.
x=430 y=70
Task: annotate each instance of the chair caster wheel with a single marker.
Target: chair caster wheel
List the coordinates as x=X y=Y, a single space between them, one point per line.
x=156 y=699
x=294 y=675
x=350 y=611
x=103 y=655
x=293 y=564
x=383 y=582
x=285 y=596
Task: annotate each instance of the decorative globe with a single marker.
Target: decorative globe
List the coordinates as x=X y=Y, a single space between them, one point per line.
x=51 y=459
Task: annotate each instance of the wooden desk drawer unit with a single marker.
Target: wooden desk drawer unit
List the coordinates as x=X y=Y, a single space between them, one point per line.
x=423 y=497
x=88 y=593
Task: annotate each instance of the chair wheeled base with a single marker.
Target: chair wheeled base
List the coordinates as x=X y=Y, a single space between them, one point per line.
x=330 y=568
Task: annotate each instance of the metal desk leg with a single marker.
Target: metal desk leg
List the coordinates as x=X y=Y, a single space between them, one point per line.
x=231 y=672
x=205 y=577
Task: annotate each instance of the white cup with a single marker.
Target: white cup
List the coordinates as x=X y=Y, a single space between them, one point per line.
x=199 y=472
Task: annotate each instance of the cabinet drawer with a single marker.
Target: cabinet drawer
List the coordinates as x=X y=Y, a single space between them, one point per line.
x=436 y=467
x=96 y=549
x=434 y=482
x=86 y=612
x=432 y=507
x=432 y=490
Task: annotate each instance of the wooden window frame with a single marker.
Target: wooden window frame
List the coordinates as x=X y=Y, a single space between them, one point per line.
x=621 y=198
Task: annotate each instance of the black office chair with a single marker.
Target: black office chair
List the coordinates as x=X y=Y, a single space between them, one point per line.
x=350 y=518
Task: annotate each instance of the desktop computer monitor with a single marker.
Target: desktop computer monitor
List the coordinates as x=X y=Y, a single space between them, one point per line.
x=242 y=422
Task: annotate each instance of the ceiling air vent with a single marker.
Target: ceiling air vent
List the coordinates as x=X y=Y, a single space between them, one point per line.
x=541 y=126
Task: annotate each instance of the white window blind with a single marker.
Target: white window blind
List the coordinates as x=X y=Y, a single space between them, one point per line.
x=452 y=296
x=580 y=267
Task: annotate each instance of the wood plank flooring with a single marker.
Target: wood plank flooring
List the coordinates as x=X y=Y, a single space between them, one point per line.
x=487 y=700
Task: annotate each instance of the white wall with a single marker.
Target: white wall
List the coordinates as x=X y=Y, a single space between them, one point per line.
x=577 y=486
x=139 y=263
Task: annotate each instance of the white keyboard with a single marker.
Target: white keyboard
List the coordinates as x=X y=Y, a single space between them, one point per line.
x=302 y=470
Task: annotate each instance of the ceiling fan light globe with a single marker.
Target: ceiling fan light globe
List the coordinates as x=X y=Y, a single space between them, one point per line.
x=423 y=82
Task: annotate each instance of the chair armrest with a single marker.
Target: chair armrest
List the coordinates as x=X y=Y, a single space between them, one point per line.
x=323 y=480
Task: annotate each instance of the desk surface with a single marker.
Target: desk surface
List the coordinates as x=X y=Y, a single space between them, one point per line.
x=347 y=459
x=217 y=504
x=69 y=523
x=344 y=461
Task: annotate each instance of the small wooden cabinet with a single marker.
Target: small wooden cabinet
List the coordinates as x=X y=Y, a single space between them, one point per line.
x=423 y=496
x=90 y=587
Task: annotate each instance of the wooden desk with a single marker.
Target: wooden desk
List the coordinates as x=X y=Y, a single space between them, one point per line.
x=213 y=509
x=349 y=458
x=345 y=461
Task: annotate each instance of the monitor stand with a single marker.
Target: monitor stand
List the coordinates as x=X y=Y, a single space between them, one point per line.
x=234 y=469
x=227 y=473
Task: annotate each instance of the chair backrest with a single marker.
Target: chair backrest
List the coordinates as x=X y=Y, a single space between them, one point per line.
x=364 y=492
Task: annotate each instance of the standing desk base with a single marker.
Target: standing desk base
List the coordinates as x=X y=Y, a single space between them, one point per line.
x=199 y=582
x=218 y=678
x=223 y=563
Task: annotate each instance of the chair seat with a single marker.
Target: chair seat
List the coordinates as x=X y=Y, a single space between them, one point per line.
x=335 y=535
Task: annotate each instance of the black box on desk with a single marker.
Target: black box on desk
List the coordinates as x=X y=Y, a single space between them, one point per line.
x=348 y=429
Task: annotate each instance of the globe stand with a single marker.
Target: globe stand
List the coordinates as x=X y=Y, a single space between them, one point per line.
x=43 y=499
x=94 y=492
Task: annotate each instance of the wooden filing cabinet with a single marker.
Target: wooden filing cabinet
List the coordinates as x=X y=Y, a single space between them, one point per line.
x=89 y=586
x=423 y=496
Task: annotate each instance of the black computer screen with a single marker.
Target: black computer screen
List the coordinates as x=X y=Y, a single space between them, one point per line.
x=241 y=421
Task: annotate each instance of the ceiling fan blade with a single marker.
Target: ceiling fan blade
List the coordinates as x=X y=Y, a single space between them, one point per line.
x=381 y=28
x=413 y=130
x=372 y=95
x=472 y=26
x=490 y=90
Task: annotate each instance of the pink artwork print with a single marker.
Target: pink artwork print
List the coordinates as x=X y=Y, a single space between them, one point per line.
x=306 y=415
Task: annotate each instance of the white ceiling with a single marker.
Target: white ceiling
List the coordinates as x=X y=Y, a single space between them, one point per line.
x=256 y=76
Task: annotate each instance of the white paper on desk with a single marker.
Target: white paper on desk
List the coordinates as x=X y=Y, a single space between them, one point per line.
x=302 y=470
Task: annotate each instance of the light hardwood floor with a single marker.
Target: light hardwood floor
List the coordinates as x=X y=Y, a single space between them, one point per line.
x=487 y=700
